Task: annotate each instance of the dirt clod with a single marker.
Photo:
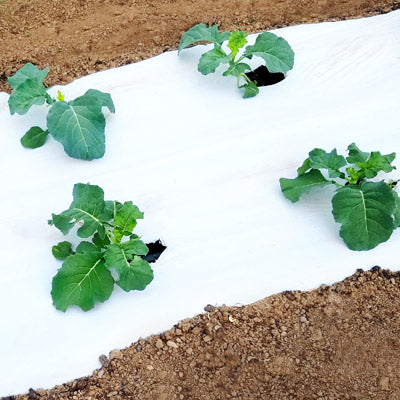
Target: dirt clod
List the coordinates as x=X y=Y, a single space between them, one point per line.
x=116 y=355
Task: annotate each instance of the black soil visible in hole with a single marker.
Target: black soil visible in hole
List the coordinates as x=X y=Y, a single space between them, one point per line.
x=155 y=251
x=262 y=77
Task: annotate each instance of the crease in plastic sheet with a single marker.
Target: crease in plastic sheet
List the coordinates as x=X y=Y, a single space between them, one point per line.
x=203 y=164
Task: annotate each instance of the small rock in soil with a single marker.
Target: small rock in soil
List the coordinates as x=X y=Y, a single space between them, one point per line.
x=116 y=354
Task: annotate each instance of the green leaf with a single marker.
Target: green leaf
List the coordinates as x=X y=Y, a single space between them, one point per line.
x=137 y=276
x=28 y=71
x=236 y=41
x=236 y=69
x=60 y=96
x=83 y=280
x=134 y=247
x=88 y=206
x=79 y=124
x=96 y=97
x=210 y=60
x=353 y=175
x=304 y=167
x=377 y=163
x=294 y=188
x=101 y=242
x=276 y=52
x=113 y=207
x=126 y=217
x=88 y=248
x=356 y=155
x=331 y=161
x=365 y=214
x=370 y=164
x=34 y=138
x=62 y=250
x=118 y=253
x=201 y=33
x=28 y=93
x=396 y=214
x=132 y=271
x=62 y=222
x=250 y=90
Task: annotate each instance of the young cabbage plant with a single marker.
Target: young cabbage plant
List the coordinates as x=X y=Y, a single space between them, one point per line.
x=78 y=124
x=275 y=51
x=85 y=277
x=368 y=211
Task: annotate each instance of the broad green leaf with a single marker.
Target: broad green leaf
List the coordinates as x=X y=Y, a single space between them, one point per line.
x=79 y=124
x=294 y=188
x=236 y=41
x=62 y=222
x=116 y=252
x=101 y=242
x=62 y=250
x=202 y=33
x=376 y=163
x=132 y=271
x=88 y=206
x=28 y=71
x=365 y=213
x=370 y=164
x=276 y=52
x=304 y=167
x=113 y=207
x=210 y=60
x=396 y=214
x=236 y=69
x=135 y=247
x=96 y=97
x=34 y=138
x=127 y=215
x=356 y=155
x=28 y=93
x=250 y=90
x=88 y=248
x=331 y=161
x=83 y=280
x=137 y=276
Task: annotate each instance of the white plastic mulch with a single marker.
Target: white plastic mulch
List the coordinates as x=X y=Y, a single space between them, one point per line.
x=203 y=164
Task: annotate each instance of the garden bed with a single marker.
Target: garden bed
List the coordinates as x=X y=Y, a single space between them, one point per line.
x=292 y=345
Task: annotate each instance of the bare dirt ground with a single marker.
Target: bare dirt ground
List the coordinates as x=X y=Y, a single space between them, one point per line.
x=78 y=37
x=333 y=343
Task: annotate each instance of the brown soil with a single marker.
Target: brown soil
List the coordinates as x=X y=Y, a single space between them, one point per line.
x=77 y=37
x=339 y=342
x=333 y=343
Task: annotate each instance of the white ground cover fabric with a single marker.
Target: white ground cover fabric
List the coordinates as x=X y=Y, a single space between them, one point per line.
x=203 y=164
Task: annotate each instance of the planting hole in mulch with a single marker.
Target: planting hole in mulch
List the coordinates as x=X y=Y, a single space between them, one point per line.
x=155 y=251
x=262 y=77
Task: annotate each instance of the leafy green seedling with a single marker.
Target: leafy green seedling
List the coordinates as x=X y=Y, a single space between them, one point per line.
x=277 y=54
x=368 y=211
x=85 y=277
x=78 y=124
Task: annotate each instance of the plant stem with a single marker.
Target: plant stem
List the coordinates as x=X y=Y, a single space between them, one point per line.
x=111 y=236
x=245 y=77
x=50 y=100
